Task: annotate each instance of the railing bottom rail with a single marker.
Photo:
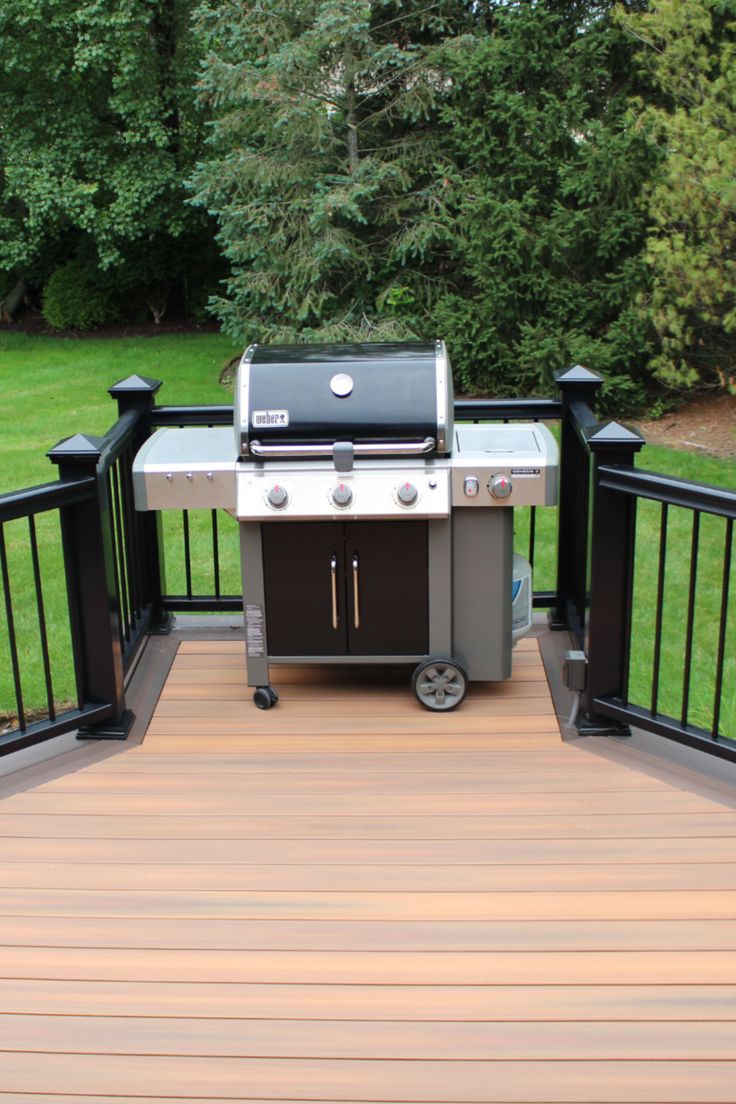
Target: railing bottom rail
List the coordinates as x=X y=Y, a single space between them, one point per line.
x=661 y=725
x=39 y=731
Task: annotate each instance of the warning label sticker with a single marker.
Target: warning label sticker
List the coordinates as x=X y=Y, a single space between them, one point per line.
x=255 y=636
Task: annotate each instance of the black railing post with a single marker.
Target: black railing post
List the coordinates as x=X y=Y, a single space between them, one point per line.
x=611 y=577
x=93 y=602
x=578 y=389
x=138 y=394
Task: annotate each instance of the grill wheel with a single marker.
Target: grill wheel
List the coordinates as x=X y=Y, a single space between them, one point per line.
x=265 y=697
x=439 y=684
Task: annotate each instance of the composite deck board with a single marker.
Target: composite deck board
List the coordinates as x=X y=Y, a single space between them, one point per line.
x=356 y=781
x=328 y=967
x=445 y=1082
x=351 y=899
x=346 y=1039
x=531 y=904
x=372 y=851
x=379 y=801
x=139 y=759
x=363 y=935
x=713 y=823
x=567 y=1003
x=302 y=877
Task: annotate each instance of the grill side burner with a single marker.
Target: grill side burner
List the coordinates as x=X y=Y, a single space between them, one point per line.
x=371 y=530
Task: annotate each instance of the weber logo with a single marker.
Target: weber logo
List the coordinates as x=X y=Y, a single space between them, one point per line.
x=262 y=419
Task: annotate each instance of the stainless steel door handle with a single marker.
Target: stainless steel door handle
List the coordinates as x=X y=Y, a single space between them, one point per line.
x=333 y=581
x=369 y=448
x=356 y=592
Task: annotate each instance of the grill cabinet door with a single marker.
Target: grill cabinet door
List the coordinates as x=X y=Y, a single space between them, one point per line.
x=386 y=566
x=303 y=588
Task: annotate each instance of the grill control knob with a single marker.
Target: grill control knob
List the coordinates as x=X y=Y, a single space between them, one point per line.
x=500 y=486
x=470 y=486
x=342 y=494
x=277 y=496
x=407 y=494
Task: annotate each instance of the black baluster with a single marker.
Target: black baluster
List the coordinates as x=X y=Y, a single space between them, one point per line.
x=660 y=607
x=723 y=626
x=41 y=617
x=11 y=631
x=690 y=617
x=187 y=552
x=215 y=554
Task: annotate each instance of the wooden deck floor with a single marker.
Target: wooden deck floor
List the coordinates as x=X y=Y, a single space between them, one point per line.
x=351 y=899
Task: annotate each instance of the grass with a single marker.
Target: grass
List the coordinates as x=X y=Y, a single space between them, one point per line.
x=51 y=388
x=672 y=688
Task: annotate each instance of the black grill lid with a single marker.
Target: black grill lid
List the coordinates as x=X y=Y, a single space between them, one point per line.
x=291 y=395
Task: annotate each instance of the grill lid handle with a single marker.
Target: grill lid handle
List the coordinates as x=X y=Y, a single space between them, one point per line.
x=343 y=453
x=295 y=452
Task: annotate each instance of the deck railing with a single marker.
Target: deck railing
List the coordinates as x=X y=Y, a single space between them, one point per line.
x=689 y=702
x=609 y=565
x=116 y=563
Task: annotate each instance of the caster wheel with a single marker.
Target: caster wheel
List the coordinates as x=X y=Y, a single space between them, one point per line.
x=265 y=697
x=439 y=684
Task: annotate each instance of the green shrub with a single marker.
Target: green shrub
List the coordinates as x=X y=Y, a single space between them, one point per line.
x=76 y=298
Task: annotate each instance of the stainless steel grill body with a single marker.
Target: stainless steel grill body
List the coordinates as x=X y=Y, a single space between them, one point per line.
x=383 y=537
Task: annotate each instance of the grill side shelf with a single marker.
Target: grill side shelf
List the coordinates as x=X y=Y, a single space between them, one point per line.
x=186 y=469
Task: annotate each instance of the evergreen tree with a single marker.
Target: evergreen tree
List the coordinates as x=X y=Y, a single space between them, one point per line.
x=690 y=48
x=322 y=167
x=547 y=226
x=382 y=169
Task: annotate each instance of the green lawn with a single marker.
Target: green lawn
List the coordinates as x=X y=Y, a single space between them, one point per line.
x=51 y=388
x=707 y=608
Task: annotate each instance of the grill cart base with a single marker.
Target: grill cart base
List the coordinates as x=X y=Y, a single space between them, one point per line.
x=371 y=529
x=394 y=593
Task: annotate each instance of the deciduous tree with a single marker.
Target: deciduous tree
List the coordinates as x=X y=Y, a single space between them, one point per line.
x=98 y=129
x=689 y=46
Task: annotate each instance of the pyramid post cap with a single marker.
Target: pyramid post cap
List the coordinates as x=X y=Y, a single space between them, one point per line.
x=615 y=435
x=82 y=447
x=135 y=385
x=579 y=376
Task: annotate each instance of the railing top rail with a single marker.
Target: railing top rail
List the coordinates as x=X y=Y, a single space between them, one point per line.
x=465 y=410
x=469 y=409
x=583 y=421
x=666 y=488
x=45 y=496
x=191 y=415
x=119 y=436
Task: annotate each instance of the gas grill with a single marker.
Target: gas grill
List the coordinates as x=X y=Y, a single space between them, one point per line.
x=372 y=529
